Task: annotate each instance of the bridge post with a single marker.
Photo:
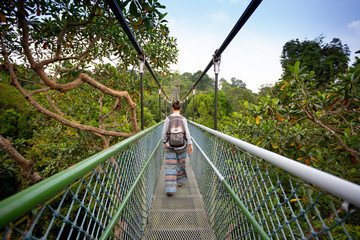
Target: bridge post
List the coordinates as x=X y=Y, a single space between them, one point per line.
x=216 y=60
x=194 y=105
x=159 y=104
x=141 y=71
x=187 y=106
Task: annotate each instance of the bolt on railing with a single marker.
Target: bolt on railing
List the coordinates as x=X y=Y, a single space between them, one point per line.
x=106 y=195
x=280 y=195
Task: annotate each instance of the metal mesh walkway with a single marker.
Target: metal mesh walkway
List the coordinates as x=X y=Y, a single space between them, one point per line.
x=181 y=216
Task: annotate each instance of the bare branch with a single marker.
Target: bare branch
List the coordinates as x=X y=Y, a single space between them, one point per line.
x=23 y=80
x=101 y=125
x=95 y=147
x=52 y=104
x=103 y=138
x=26 y=165
x=341 y=142
x=67 y=87
x=117 y=101
x=57 y=117
x=56 y=74
x=72 y=69
x=333 y=132
x=67 y=25
x=25 y=36
x=79 y=57
x=51 y=83
x=39 y=91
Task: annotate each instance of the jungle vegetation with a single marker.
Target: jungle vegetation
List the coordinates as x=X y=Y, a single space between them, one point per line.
x=69 y=88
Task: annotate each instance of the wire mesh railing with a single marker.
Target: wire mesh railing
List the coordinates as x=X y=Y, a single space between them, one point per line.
x=248 y=196
x=106 y=195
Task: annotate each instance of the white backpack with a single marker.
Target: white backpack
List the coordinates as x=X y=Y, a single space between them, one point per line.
x=176 y=132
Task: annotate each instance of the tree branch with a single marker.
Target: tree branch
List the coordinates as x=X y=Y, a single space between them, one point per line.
x=59 y=118
x=23 y=80
x=101 y=125
x=26 y=165
x=117 y=101
x=349 y=124
x=52 y=104
x=67 y=25
x=321 y=124
x=66 y=87
x=341 y=142
x=39 y=91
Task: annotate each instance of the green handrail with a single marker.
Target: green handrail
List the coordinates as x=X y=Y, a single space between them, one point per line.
x=18 y=204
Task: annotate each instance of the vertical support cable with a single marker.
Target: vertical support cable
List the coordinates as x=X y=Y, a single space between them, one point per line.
x=159 y=105
x=165 y=106
x=115 y=8
x=184 y=108
x=193 y=104
x=216 y=60
x=141 y=71
x=187 y=106
x=239 y=24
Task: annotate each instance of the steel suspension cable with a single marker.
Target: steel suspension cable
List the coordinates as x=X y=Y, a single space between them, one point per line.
x=239 y=24
x=120 y=17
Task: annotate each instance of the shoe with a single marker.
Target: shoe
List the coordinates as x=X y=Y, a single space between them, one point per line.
x=180 y=184
x=169 y=194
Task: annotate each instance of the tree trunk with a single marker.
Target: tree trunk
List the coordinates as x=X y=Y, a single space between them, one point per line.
x=25 y=164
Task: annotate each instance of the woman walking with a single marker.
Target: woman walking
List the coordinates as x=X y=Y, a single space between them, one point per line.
x=176 y=138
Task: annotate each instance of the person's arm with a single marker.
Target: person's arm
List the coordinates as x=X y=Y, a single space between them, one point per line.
x=188 y=136
x=187 y=132
x=164 y=133
x=190 y=148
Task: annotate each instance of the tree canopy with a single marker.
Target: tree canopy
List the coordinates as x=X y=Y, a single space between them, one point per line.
x=73 y=63
x=327 y=60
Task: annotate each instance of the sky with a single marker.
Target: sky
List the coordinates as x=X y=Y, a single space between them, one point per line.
x=253 y=56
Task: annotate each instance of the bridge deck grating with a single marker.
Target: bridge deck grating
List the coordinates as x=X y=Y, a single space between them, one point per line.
x=181 y=216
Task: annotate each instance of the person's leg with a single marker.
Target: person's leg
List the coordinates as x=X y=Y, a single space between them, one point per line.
x=180 y=168
x=170 y=171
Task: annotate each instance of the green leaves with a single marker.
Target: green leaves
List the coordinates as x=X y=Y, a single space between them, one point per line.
x=275 y=101
x=355 y=76
x=300 y=121
x=326 y=60
x=134 y=9
x=246 y=104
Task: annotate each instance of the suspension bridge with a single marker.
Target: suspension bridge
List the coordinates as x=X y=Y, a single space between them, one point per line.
x=235 y=190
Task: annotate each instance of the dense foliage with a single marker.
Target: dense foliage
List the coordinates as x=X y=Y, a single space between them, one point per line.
x=300 y=117
x=50 y=49
x=318 y=128
x=311 y=115
x=327 y=60
x=73 y=63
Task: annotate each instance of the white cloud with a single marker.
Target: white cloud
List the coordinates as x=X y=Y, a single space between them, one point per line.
x=242 y=2
x=355 y=25
x=219 y=16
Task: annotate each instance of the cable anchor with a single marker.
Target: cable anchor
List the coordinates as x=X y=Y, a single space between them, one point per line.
x=216 y=61
x=141 y=62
